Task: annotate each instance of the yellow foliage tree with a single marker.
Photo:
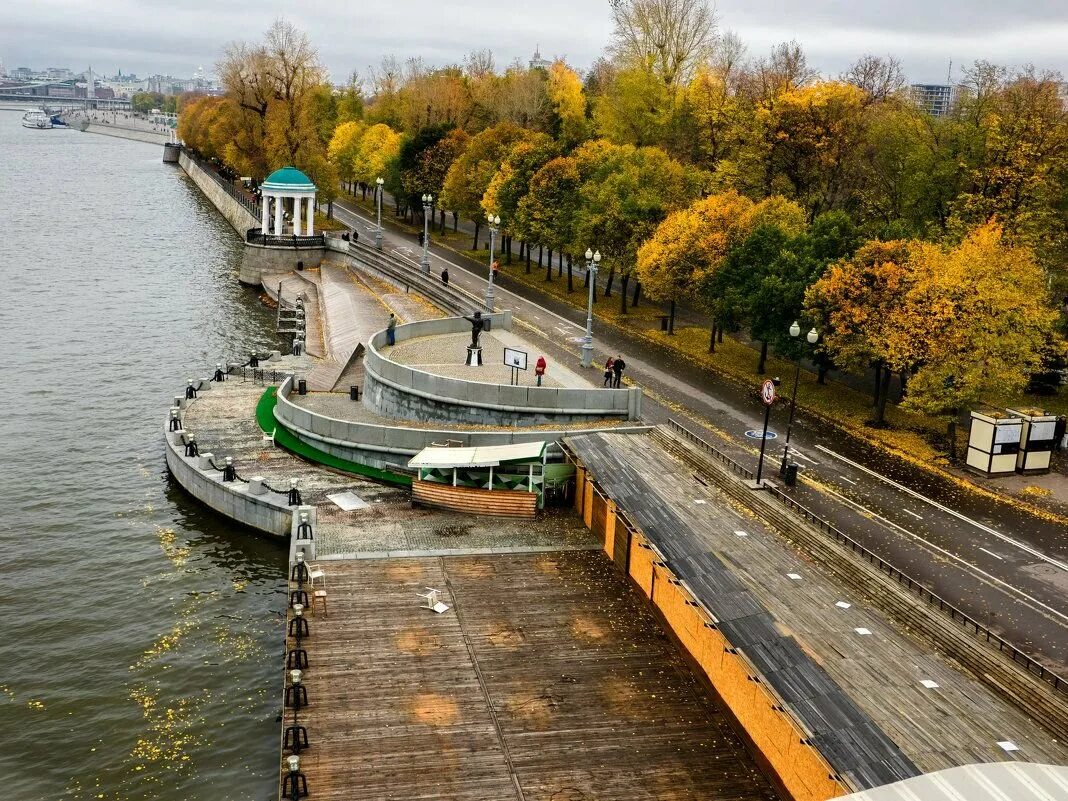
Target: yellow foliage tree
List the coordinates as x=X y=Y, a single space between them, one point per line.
x=379 y=146
x=344 y=146
x=569 y=104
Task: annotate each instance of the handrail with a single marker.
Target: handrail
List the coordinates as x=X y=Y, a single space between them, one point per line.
x=1004 y=646
x=251 y=206
x=257 y=237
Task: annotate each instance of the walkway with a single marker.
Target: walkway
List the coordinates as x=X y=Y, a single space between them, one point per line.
x=953 y=720
x=546 y=680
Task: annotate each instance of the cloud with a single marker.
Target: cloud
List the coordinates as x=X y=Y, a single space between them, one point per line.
x=149 y=36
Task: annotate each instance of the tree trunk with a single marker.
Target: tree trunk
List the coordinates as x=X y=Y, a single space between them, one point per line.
x=455 y=222
x=671 y=319
x=528 y=258
x=549 y=266
x=608 y=285
x=364 y=188
x=884 y=392
x=478 y=227
x=712 y=340
x=586 y=282
x=441 y=226
x=570 y=285
x=508 y=240
x=904 y=384
x=719 y=335
x=330 y=214
x=875 y=388
x=560 y=265
x=625 y=280
x=763 y=356
x=637 y=293
x=821 y=372
x=541 y=252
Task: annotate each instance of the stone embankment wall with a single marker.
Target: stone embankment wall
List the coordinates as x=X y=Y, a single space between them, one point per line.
x=237 y=215
x=397 y=390
x=136 y=134
x=260 y=260
x=390 y=447
x=249 y=503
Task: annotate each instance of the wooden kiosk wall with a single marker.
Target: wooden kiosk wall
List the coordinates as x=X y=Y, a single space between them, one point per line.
x=801 y=768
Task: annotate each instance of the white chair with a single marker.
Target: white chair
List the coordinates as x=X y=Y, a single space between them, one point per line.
x=316 y=572
x=432 y=600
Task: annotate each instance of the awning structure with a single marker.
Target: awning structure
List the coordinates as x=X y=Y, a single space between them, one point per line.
x=992 y=781
x=487 y=456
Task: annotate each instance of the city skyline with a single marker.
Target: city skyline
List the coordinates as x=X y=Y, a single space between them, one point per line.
x=926 y=40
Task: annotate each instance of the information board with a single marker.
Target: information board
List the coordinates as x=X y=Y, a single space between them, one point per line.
x=1007 y=433
x=516 y=359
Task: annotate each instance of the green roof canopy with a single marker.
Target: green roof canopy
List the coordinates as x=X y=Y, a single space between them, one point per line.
x=288 y=179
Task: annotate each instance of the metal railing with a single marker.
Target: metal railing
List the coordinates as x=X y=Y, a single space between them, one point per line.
x=250 y=205
x=257 y=237
x=904 y=579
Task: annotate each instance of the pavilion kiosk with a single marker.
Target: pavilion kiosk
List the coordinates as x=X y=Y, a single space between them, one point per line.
x=1037 y=440
x=993 y=443
x=500 y=480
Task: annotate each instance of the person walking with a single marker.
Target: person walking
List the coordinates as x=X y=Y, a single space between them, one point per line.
x=608 y=371
x=391 y=329
x=445 y=276
x=496 y=269
x=539 y=369
x=618 y=366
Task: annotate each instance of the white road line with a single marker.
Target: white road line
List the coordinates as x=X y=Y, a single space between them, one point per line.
x=910 y=512
x=984 y=550
x=851 y=481
x=968 y=565
x=1015 y=543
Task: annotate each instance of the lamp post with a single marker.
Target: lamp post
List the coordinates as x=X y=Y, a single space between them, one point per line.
x=593 y=260
x=812 y=337
x=428 y=207
x=379 y=183
x=494 y=223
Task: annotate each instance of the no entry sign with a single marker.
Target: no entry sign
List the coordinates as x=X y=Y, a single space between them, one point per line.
x=767 y=392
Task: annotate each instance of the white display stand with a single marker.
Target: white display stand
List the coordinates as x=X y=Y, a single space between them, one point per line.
x=993 y=444
x=1036 y=440
x=474 y=357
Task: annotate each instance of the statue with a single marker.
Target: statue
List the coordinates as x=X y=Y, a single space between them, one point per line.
x=477 y=324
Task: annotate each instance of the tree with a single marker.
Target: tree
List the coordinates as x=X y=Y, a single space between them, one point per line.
x=344 y=145
x=546 y=213
x=667 y=38
x=350 y=100
x=378 y=148
x=512 y=180
x=564 y=89
x=635 y=108
x=878 y=78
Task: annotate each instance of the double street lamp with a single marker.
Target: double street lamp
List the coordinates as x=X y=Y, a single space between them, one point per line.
x=593 y=260
x=428 y=207
x=379 y=183
x=494 y=226
x=812 y=337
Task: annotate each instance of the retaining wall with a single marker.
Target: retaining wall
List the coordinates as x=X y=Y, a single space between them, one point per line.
x=121 y=132
x=392 y=446
x=240 y=218
x=259 y=260
x=397 y=390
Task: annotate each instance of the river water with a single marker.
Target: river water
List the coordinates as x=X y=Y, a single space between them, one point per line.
x=142 y=634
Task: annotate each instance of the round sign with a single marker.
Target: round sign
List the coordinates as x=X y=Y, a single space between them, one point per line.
x=767 y=392
x=754 y=434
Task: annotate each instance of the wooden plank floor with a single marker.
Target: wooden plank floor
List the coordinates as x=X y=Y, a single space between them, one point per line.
x=959 y=722
x=546 y=681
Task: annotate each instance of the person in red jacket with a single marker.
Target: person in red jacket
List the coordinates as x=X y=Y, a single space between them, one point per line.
x=539 y=368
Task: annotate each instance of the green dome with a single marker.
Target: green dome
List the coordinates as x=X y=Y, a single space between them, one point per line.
x=288 y=179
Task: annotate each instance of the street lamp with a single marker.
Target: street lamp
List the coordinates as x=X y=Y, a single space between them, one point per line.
x=813 y=337
x=494 y=223
x=428 y=207
x=592 y=261
x=379 y=183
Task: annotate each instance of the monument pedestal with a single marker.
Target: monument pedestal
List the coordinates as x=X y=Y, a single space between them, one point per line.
x=474 y=356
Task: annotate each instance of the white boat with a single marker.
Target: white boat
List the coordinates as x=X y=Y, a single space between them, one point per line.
x=36 y=119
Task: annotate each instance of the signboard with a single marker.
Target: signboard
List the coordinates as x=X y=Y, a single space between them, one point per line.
x=1042 y=430
x=767 y=392
x=1007 y=433
x=516 y=359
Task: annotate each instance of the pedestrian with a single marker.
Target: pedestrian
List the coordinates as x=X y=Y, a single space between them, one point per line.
x=496 y=269
x=539 y=369
x=355 y=235
x=420 y=239
x=391 y=329
x=445 y=276
x=608 y=371
x=618 y=366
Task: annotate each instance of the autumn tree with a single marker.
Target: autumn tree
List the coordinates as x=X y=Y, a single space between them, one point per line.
x=570 y=126
x=378 y=148
x=343 y=147
x=512 y=179
x=666 y=38
x=546 y=214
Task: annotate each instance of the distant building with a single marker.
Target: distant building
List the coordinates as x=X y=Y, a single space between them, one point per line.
x=935 y=98
x=1062 y=93
x=538 y=62
x=22 y=73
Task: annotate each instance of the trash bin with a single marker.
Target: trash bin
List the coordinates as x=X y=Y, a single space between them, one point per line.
x=354 y=393
x=663 y=322
x=302 y=387
x=790 y=477
x=487 y=323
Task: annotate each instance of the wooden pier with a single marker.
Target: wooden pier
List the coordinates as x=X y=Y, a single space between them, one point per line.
x=546 y=680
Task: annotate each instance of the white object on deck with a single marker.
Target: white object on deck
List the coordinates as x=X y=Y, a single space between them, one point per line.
x=432 y=600
x=348 y=501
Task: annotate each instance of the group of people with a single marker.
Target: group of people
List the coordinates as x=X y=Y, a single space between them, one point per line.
x=613 y=371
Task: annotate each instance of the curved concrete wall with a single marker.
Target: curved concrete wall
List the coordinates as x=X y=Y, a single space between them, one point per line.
x=260 y=260
x=237 y=215
x=232 y=499
x=397 y=390
x=392 y=446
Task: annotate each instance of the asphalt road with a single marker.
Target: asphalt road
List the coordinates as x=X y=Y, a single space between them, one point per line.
x=1002 y=565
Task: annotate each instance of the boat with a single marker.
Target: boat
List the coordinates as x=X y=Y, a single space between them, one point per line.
x=36 y=119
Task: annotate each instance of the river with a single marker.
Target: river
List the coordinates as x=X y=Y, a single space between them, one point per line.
x=142 y=633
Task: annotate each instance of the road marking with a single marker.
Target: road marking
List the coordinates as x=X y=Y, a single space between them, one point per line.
x=1016 y=543
x=949 y=555
x=910 y=512
x=851 y=481
x=984 y=550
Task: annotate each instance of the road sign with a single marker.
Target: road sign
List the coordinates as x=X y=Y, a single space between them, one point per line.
x=767 y=392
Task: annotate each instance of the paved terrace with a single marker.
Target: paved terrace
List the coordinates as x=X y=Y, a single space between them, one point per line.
x=546 y=680
x=743 y=570
x=444 y=355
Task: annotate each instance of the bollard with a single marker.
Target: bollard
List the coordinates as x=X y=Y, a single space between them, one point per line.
x=191 y=445
x=354 y=393
x=298 y=624
x=179 y=401
x=299 y=573
x=253 y=361
x=204 y=461
x=219 y=374
x=229 y=471
x=304 y=529
x=176 y=421
x=295 y=738
x=190 y=393
x=295 y=784
x=294 y=493
x=274 y=355
x=302 y=386
x=297 y=658
x=298 y=597
x=256 y=487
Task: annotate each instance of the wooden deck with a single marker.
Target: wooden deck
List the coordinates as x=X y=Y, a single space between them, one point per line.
x=546 y=681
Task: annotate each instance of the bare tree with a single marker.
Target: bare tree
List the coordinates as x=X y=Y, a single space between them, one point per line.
x=880 y=78
x=670 y=38
x=479 y=64
x=785 y=69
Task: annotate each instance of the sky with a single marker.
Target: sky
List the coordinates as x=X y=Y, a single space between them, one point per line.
x=177 y=36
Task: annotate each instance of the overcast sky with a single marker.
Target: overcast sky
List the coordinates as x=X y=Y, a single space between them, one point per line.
x=150 y=36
